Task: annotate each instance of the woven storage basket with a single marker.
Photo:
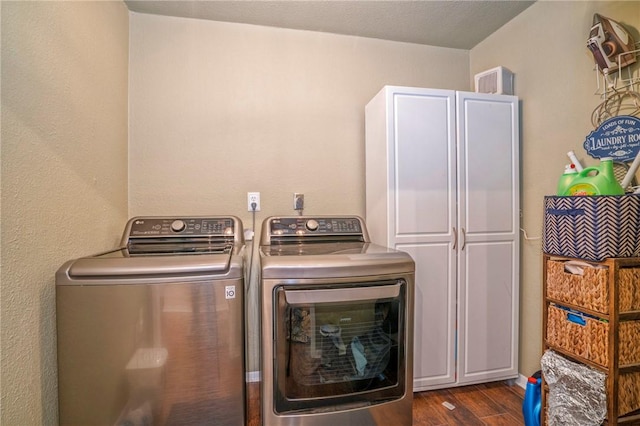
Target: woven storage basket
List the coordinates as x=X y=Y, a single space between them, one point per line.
x=628 y=393
x=629 y=289
x=590 y=341
x=629 y=347
x=589 y=290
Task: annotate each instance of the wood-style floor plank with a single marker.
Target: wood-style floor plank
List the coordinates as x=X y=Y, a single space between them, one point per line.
x=459 y=415
x=491 y=404
x=507 y=397
x=426 y=412
x=478 y=402
x=501 y=420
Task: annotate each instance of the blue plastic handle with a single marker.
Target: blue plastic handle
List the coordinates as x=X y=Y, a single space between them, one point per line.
x=578 y=319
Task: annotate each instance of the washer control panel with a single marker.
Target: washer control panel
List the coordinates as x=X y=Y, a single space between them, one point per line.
x=178 y=227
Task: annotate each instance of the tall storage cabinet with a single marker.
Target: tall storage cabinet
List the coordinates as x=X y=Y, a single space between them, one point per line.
x=442 y=183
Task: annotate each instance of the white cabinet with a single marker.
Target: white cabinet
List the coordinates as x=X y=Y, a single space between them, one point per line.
x=442 y=183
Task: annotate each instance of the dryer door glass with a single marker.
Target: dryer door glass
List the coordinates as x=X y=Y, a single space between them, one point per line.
x=339 y=345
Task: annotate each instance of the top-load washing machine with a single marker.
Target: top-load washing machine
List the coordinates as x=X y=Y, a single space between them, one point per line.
x=336 y=324
x=153 y=332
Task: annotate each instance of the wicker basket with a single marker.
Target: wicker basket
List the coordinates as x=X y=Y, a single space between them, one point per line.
x=628 y=393
x=590 y=291
x=590 y=340
x=628 y=349
x=628 y=279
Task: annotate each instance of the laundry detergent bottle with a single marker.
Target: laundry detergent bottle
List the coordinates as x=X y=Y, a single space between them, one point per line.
x=570 y=173
x=532 y=404
x=598 y=180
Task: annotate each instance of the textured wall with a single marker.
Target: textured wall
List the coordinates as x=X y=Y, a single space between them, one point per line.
x=546 y=48
x=219 y=109
x=64 y=175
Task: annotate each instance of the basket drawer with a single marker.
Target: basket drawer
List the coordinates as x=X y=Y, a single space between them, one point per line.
x=628 y=392
x=587 y=337
x=629 y=289
x=572 y=383
x=590 y=290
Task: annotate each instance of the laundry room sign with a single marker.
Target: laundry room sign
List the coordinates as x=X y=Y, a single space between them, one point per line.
x=617 y=137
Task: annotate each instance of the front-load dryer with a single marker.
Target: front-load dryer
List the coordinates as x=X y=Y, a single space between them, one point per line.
x=336 y=325
x=153 y=332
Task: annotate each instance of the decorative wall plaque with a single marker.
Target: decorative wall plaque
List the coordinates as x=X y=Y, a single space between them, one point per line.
x=617 y=137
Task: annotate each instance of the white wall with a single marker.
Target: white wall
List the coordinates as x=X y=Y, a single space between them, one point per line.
x=64 y=176
x=219 y=109
x=545 y=47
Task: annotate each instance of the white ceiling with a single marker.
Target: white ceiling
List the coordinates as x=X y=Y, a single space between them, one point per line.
x=452 y=23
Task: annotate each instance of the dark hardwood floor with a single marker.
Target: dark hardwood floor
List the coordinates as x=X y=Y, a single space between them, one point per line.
x=486 y=404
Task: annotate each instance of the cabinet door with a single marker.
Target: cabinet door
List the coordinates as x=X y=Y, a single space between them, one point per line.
x=488 y=261
x=423 y=216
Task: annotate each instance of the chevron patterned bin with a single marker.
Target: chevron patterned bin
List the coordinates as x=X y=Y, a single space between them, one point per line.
x=592 y=228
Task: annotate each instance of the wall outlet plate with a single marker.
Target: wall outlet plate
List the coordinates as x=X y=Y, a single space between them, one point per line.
x=253 y=197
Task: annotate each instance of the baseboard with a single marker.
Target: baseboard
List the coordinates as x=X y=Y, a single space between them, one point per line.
x=522 y=381
x=252 y=376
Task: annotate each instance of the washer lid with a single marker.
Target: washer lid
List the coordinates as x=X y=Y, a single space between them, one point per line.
x=282 y=262
x=119 y=263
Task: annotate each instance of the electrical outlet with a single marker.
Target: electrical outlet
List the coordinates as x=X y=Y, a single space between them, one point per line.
x=253 y=197
x=298 y=201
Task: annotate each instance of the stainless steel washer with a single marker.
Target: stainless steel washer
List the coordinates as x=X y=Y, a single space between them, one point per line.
x=337 y=324
x=153 y=332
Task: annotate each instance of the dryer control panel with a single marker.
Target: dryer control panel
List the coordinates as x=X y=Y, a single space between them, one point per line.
x=313 y=229
x=307 y=225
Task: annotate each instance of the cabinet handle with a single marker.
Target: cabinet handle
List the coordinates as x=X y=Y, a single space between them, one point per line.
x=455 y=238
x=464 y=239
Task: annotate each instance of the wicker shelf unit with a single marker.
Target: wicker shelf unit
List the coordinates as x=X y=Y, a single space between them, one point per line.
x=609 y=339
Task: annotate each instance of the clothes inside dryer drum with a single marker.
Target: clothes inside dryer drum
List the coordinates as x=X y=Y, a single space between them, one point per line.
x=361 y=341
